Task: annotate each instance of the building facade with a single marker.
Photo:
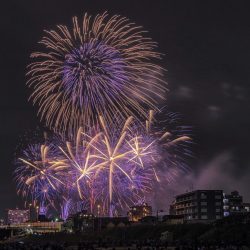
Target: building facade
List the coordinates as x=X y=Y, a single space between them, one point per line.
x=232 y=203
x=17 y=216
x=39 y=227
x=173 y=219
x=246 y=207
x=199 y=205
x=83 y=221
x=136 y=213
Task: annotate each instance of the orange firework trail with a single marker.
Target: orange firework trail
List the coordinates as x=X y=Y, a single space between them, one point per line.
x=93 y=84
x=101 y=67
x=111 y=166
x=39 y=174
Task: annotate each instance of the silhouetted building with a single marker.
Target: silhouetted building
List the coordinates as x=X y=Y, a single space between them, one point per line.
x=39 y=227
x=232 y=203
x=149 y=220
x=17 y=216
x=201 y=205
x=83 y=221
x=43 y=218
x=246 y=207
x=136 y=213
x=173 y=219
x=110 y=222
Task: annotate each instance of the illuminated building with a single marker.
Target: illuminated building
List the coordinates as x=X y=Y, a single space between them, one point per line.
x=17 y=216
x=136 y=213
x=233 y=204
x=203 y=205
x=83 y=221
x=39 y=227
x=246 y=207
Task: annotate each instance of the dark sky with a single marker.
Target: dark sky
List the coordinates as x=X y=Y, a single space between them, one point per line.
x=207 y=55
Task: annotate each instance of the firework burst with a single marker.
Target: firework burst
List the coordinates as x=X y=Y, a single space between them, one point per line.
x=104 y=166
x=93 y=84
x=39 y=174
x=172 y=141
x=102 y=66
x=110 y=167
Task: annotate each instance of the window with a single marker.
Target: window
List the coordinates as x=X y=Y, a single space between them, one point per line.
x=225 y=201
x=203 y=195
x=204 y=217
x=217 y=203
x=203 y=210
x=218 y=217
x=217 y=210
x=203 y=203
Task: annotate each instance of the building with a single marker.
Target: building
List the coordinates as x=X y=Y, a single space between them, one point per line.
x=246 y=207
x=101 y=223
x=160 y=214
x=199 y=205
x=232 y=203
x=136 y=213
x=82 y=221
x=149 y=220
x=17 y=216
x=38 y=227
x=173 y=219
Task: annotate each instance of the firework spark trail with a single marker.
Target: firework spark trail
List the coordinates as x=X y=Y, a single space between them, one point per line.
x=67 y=207
x=39 y=174
x=173 y=143
x=106 y=163
x=99 y=78
x=102 y=67
x=111 y=166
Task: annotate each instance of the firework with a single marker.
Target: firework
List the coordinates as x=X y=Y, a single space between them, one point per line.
x=173 y=142
x=117 y=164
x=108 y=168
x=81 y=167
x=39 y=174
x=121 y=153
x=102 y=66
x=67 y=207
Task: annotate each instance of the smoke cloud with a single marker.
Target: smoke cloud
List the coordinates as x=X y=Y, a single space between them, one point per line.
x=219 y=173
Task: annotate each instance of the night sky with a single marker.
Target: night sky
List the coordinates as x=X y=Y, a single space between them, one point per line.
x=207 y=55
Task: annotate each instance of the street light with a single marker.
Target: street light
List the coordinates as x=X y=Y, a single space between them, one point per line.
x=37 y=209
x=98 y=210
x=30 y=211
x=98 y=215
